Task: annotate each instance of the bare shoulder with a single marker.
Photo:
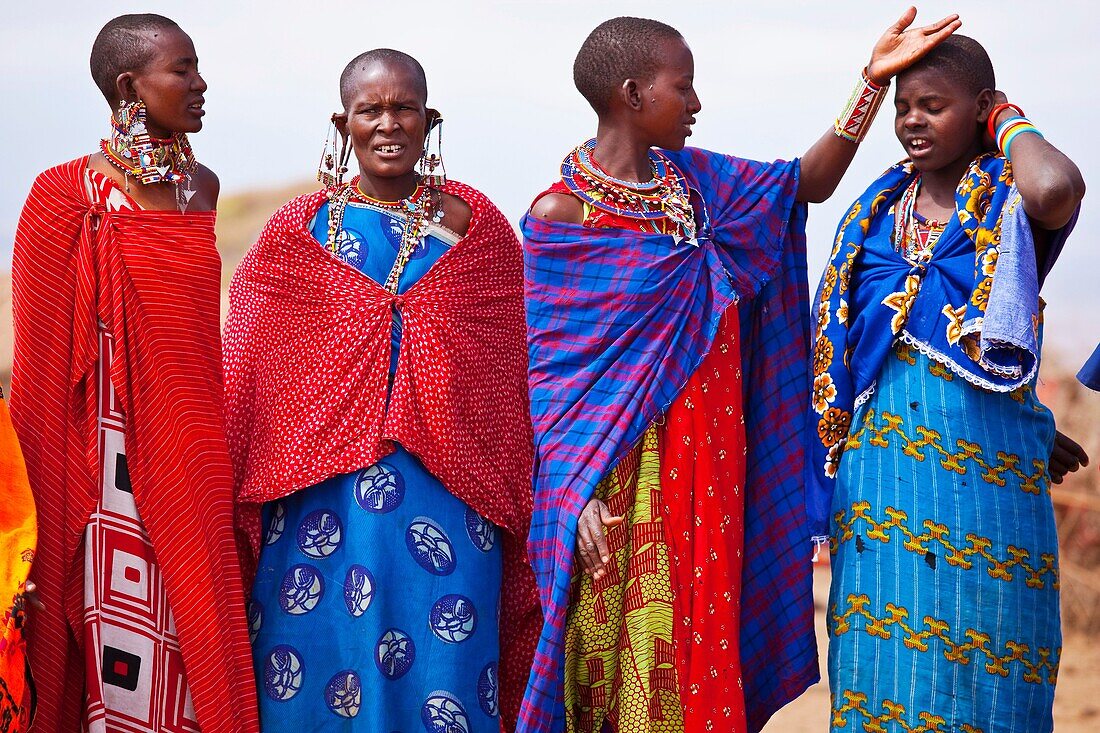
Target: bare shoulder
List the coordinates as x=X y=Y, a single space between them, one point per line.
x=560 y=207
x=206 y=182
x=456 y=214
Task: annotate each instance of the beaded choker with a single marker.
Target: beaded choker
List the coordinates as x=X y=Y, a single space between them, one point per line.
x=665 y=195
x=136 y=153
x=417 y=209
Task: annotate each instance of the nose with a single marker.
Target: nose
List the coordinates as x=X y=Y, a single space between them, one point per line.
x=387 y=121
x=914 y=119
x=694 y=105
x=199 y=84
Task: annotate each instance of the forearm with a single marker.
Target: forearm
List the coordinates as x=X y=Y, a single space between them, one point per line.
x=822 y=167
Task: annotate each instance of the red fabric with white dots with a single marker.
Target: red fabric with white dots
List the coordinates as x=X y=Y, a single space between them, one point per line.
x=307 y=359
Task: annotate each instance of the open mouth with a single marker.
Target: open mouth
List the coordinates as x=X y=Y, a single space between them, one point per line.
x=196 y=107
x=918 y=145
x=389 y=151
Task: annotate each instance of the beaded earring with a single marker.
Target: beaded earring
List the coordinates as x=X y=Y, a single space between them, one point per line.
x=432 y=170
x=334 y=163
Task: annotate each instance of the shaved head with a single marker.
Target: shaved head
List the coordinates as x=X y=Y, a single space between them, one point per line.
x=617 y=50
x=127 y=43
x=361 y=63
x=962 y=60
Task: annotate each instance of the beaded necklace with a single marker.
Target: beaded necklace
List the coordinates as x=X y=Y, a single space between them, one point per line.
x=136 y=153
x=914 y=236
x=423 y=205
x=664 y=195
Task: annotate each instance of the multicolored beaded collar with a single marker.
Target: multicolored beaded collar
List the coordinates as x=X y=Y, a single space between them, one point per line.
x=136 y=153
x=665 y=195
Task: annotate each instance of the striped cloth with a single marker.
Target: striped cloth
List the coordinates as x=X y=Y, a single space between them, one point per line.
x=152 y=277
x=617 y=323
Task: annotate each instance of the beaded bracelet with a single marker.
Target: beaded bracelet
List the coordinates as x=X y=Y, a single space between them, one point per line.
x=1009 y=129
x=855 y=119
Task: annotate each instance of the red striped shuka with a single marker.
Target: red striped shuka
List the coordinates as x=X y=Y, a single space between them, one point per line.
x=152 y=277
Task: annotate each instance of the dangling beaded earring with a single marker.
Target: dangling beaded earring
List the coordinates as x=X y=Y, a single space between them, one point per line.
x=432 y=171
x=334 y=163
x=132 y=150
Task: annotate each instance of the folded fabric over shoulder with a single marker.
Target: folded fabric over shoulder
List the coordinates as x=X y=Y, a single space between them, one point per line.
x=307 y=370
x=617 y=323
x=153 y=277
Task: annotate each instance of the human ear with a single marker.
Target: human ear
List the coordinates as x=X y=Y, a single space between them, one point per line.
x=340 y=120
x=985 y=103
x=124 y=87
x=631 y=94
x=434 y=118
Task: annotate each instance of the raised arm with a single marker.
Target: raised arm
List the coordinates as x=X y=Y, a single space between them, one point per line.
x=825 y=163
x=1050 y=184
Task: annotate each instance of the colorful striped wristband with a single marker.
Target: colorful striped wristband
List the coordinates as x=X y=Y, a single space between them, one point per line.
x=1009 y=129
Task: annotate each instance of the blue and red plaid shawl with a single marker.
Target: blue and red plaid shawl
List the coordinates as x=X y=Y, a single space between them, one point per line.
x=617 y=323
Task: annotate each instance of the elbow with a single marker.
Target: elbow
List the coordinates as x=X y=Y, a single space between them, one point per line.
x=816 y=193
x=1053 y=201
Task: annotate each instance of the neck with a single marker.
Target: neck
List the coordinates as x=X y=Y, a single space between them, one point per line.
x=622 y=154
x=388 y=189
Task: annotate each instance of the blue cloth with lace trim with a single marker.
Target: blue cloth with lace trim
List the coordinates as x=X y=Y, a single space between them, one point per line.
x=971 y=303
x=375 y=606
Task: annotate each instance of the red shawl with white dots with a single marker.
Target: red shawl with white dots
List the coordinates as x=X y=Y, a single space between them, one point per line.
x=307 y=363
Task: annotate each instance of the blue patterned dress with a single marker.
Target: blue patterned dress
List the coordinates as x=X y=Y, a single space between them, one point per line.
x=375 y=606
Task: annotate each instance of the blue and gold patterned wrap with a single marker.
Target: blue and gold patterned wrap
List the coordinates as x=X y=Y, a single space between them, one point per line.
x=872 y=297
x=375 y=606
x=943 y=610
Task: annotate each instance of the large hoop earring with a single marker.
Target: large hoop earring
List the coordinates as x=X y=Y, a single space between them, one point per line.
x=432 y=170
x=334 y=161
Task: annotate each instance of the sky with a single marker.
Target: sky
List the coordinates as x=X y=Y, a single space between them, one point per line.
x=772 y=76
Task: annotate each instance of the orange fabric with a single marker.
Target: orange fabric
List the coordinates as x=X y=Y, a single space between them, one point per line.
x=18 y=531
x=153 y=278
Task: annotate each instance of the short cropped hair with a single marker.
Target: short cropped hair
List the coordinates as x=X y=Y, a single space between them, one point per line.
x=617 y=50
x=123 y=45
x=962 y=60
x=383 y=55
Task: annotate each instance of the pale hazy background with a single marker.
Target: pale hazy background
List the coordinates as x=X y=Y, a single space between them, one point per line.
x=771 y=76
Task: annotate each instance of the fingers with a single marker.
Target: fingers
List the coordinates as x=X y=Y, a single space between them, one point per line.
x=592 y=549
x=938 y=36
x=1066 y=456
x=905 y=20
x=943 y=24
x=1072 y=447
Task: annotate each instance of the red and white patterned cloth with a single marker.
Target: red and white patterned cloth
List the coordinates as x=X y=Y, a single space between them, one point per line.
x=152 y=278
x=134 y=673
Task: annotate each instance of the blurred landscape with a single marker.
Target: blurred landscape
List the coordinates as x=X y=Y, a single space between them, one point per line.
x=1077 y=501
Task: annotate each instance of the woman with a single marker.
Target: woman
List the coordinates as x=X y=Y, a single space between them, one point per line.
x=667 y=339
x=376 y=396
x=933 y=455
x=116 y=396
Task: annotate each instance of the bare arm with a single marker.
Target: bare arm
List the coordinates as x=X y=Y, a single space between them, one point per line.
x=826 y=162
x=1050 y=184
